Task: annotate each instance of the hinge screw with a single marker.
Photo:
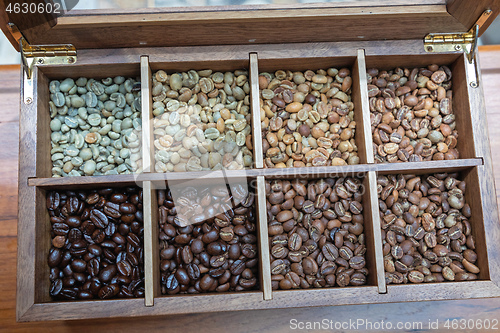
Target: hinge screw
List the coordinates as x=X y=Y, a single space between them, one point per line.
x=71 y=60
x=473 y=84
x=430 y=48
x=28 y=100
x=458 y=47
x=40 y=61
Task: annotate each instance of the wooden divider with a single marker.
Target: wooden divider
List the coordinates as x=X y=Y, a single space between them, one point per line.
x=371 y=204
x=258 y=157
x=147 y=116
x=360 y=99
x=265 y=261
x=151 y=265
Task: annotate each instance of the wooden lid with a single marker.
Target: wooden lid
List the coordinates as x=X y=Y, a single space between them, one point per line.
x=261 y=24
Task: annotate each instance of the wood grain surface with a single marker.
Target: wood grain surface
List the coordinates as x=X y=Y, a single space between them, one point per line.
x=279 y=320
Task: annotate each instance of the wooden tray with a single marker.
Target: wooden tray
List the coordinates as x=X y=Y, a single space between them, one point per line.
x=302 y=49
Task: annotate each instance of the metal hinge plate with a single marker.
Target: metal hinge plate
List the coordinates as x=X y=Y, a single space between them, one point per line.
x=34 y=55
x=459 y=42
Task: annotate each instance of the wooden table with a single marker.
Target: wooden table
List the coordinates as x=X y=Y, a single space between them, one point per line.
x=250 y=321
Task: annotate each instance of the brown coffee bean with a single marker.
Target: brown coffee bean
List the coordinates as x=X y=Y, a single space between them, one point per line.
x=416 y=277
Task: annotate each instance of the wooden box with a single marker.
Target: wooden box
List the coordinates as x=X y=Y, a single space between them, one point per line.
x=357 y=35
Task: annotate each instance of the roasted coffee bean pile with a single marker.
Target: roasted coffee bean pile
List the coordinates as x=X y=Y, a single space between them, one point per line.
x=307 y=118
x=426 y=233
x=97 y=244
x=208 y=239
x=316 y=233
x=411 y=115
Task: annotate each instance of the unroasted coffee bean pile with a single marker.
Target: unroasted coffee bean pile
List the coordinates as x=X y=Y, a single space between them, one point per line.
x=208 y=239
x=426 y=233
x=307 y=118
x=316 y=233
x=97 y=244
x=411 y=115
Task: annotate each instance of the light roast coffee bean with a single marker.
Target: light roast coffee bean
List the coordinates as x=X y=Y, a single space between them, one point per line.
x=411 y=114
x=435 y=249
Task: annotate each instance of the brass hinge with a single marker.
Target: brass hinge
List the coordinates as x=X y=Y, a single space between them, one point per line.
x=459 y=42
x=34 y=55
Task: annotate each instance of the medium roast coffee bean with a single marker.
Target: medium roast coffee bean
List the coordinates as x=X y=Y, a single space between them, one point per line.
x=324 y=244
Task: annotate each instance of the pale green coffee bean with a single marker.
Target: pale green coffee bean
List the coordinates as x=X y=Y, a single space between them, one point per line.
x=162 y=156
x=119 y=160
x=56 y=171
x=101 y=165
x=171 y=130
x=137 y=124
x=240 y=139
x=121 y=168
x=66 y=85
x=101 y=99
x=64 y=128
x=81 y=122
x=82 y=113
x=57 y=156
x=105 y=129
x=137 y=104
x=54 y=86
x=111 y=172
x=86 y=154
x=95 y=87
x=158 y=111
x=71 y=151
x=58 y=99
x=63 y=111
x=119 y=80
x=212 y=133
x=74 y=173
x=117 y=144
x=72 y=112
x=77 y=102
x=71 y=122
x=94 y=119
x=79 y=141
x=77 y=161
x=58 y=163
x=72 y=91
x=89 y=167
x=81 y=82
x=109 y=105
x=81 y=91
x=55 y=125
x=95 y=151
x=126 y=123
x=238 y=93
x=91 y=99
x=55 y=137
x=113 y=135
x=175 y=82
x=116 y=126
x=85 y=127
x=105 y=141
x=112 y=89
x=173 y=105
x=119 y=115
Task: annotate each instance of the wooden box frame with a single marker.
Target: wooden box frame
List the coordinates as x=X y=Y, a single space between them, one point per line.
x=33 y=302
